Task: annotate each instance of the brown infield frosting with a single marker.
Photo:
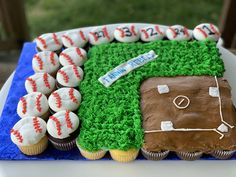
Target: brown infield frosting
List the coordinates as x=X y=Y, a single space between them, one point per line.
x=202 y=112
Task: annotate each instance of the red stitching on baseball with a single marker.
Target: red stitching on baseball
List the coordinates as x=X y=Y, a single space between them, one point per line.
x=186 y=32
x=58 y=124
x=72 y=96
x=58 y=99
x=68 y=39
x=94 y=36
x=65 y=76
x=145 y=33
x=33 y=84
x=43 y=42
x=158 y=29
x=214 y=30
x=133 y=30
x=122 y=33
x=17 y=134
x=202 y=31
x=36 y=125
x=68 y=121
x=82 y=36
x=38 y=102
x=173 y=32
x=78 y=51
x=54 y=36
x=106 y=33
x=45 y=79
x=24 y=105
x=52 y=59
x=75 y=69
x=39 y=60
x=67 y=58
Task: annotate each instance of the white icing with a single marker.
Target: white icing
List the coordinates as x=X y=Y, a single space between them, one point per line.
x=206 y=31
x=178 y=33
x=49 y=39
x=214 y=92
x=73 y=80
x=181 y=102
x=152 y=33
x=40 y=83
x=124 y=68
x=77 y=58
x=65 y=131
x=66 y=102
x=223 y=128
x=74 y=39
x=126 y=33
x=47 y=65
x=26 y=129
x=166 y=125
x=99 y=36
x=31 y=108
x=163 y=89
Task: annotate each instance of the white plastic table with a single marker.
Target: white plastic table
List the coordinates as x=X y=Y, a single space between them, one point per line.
x=138 y=168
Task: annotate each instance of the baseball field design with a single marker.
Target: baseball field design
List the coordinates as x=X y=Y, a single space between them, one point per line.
x=111 y=117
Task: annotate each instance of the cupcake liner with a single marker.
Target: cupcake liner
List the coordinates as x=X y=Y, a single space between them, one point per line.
x=154 y=155
x=124 y=156
x=222 y=154
x=46 y=115
x=189 y=155
x=36 y=148
x=64 y=146
x=91 y=155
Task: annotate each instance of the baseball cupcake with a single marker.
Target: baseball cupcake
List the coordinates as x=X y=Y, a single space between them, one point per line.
x=33 y=104
x=126 y=33
x=49 y=42
x=40 y=82
x=75 y=38
x=73 y=56
x=46 y=61
x=29 y=134
x=64 y=99
x=178 y=33
x=152 y=33
x=206 y=31
x=100 y=35
x=63 y=128
x=69 y=76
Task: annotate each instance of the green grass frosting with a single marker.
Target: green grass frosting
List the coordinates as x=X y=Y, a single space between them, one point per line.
x=111 y=117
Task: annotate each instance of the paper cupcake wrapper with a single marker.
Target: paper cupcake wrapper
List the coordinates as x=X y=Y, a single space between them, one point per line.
x=124 y=156
x=189 y=155
x=91 y=155
x=222 y=154
x=63 y=146
x=36 y=148
x=154 y=155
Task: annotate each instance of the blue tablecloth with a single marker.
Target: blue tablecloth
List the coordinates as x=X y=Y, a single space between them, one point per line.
x=8 y=150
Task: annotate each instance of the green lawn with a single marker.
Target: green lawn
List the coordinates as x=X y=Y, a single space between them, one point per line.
x=53 y=15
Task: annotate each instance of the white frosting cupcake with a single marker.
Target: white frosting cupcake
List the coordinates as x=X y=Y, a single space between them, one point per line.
x=33 y=104
x=40 y=82
x=178 y=33
x=45 y=61
x=28 y=131
x=73 y=56
x=61 y=124
x=206 y=31
x=49 y=42
x=100 y=35
x=70 y=76
x=64 y=99
x=152 y=33
x=126 y=33
x=74 y=39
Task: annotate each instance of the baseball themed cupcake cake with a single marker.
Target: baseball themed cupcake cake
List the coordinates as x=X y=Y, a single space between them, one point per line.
x=76 y=38
x=63 y=128
x=29 y=134
x=33 y=104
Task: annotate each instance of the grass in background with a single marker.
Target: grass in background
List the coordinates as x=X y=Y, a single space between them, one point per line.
x=53 y=15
